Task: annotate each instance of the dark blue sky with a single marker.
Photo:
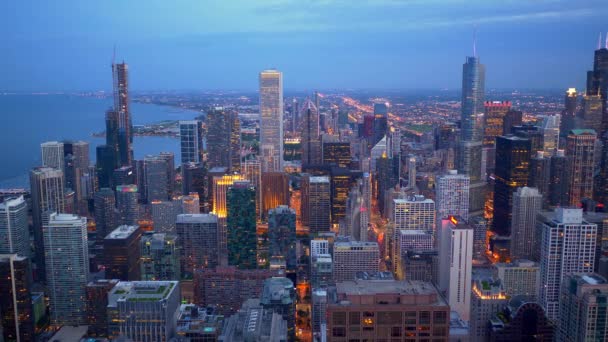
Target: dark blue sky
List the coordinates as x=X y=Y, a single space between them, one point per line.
x=223 y=44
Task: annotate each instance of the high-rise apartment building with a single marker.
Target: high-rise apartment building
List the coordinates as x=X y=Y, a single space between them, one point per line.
x=519 y=278
x=581 y=149
x=316 y=203
x=527 y=203
x=354 y=256
x=567 y=246
x=494 y=120
x=414 y=213
x=271 y=120
x=559 y=179
x=241 y=225
x=14 y=227
x=160 y=257
x=52 y=155
x=104 y=205
x=223 y=138
x=67 y=267
x=198 y=237
x=47 y=196
x=126 y=204
x=282 y=235
x=155 y=175
x=452 y=195
x=455 y=264
x=583 y=313
x=121 y=251
x=512 y=169
x=191 y=141
x=17 y=318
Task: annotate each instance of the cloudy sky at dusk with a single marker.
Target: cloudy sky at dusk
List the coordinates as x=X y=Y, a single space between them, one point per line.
x=220 y=44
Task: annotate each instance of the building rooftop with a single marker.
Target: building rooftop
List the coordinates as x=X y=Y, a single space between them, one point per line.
x=141 y=291
x=193 y=319
x=319 y=179
x=374 y=276
x=122 y=232
x=583 y=132
x=354 y=244
x=277 y=290
x=196 y=218
x=70 y=333
x=401 y=287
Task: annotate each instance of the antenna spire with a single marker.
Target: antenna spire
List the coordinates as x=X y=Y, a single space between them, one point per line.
x=599 y=42
x=114 y=54
x=475 y=41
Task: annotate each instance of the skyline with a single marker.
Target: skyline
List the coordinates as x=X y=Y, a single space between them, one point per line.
x=389 y=44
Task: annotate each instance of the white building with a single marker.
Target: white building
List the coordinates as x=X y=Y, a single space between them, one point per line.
x=14 y=227
x=271 y=120
x=452 y=195
x=567 y=247
x=318 y=247
x=67 y=267
x=519 y=278
x=455 y=264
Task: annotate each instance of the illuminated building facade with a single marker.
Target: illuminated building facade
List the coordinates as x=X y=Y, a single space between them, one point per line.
x=160 y=257
x=452 y=195
x=126 y=204
x=336 y=153
x=494 y=120
x=17 y=314
x=316 y=203
x=271 y=120
x=275 y=191
x=488 y=299
x=354 y=256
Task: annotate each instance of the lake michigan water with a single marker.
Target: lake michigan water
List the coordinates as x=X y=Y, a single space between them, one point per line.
x=28 y=120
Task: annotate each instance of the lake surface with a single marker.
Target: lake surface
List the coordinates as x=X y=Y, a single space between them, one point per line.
x=28 y=120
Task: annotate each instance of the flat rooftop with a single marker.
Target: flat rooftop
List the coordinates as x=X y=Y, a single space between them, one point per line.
x=141 y=291
x=371 y=287
x=122 y=232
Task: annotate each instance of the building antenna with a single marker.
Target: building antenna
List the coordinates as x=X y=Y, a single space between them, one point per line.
x=599 y=42
x=114 y=54
x=475 y=41
x=606 y=44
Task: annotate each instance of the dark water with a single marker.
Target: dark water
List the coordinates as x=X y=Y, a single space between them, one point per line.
x=28 y=120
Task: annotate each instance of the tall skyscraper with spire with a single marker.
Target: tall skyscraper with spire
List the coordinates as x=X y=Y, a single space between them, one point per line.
x=469 y=153
x=311 y=143
x=120 y=88
x=271 y=120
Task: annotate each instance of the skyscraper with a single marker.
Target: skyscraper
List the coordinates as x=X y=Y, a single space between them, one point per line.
x=52 y=155
x=512 y=168
x=14 y=228
x=191 y=141
x=194 y=180
x=540 y=174
x=97 y=305
x=126 y=203
x=160 y=257
x=550 y=128
x=527 y=203
x=223 y=138
x=121 y=251
x=473 y=94
x=488 y=299
x=452 y=195
x=279 y=295
x=494 y=120
x=17 y=314
x=47 y=196
x=569 y=114
x=67 y=267
x=198 y=236
x=455 y=264
x=241 y=225
x=104 y=205
x=582 y=308
x=122 y=112
x=271 y=120
x=155 y=168
x=559 y=179
x=316 y=203
x=282 y=235
x=275 y=191
x=581 y=148
x=311 y=140
x=567 y=246
x=76 y=161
